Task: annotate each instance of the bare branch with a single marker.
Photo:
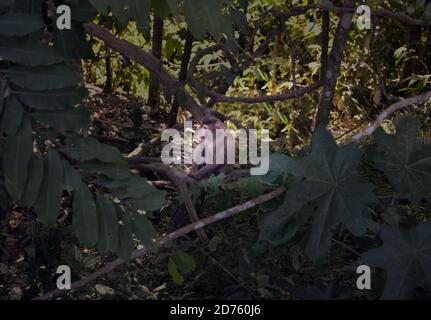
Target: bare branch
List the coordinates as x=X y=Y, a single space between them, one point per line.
x=172 y=236
x=180 y=182
x=281 y=97
x=198 y=56
x=145 y=59
x=387 y=112
x=378 y=13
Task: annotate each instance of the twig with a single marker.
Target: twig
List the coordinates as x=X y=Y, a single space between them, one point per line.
x=387 y=112
x=180 y=181
x=378 y=13
x=172 y=236
x=345 y=246
x=281 y=97
x=226 y=270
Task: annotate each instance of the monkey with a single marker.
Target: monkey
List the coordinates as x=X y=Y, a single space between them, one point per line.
x=199 y=171
x=220 y=140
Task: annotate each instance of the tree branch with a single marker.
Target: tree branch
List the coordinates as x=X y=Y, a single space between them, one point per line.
x=147 y=60
x=378 y=13
x=216 y=97
x=172 y=236
x=387 y=112
x=180 y=181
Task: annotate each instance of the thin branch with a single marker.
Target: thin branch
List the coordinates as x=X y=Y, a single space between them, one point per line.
x=389 y=111
x=325 y=43
x=377 y=68
x=270 y=98
x=180 y=182
x=172 y=236
x=378 y=13
x=198 y=56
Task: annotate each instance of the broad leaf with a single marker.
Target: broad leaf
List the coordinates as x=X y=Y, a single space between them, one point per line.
x=139 y=11
x=70 y=120
x=51 y=99
x=161 y=8
x=326 y=191
x=85 y=218
x=19 y=24
x=72 y=44
x=406 y=257
x=151 y=201
x=209 y=19
x=42 y=78
x=12 y=116
x=174 y=273
x=71 y=179
x=108 y=224
x=137 y=192
x=114 y=170
x=143 y=229
x=125 y=236
x=28 y=53
x=85 y=149
x=405 y=161
x=34 y=181
x=17 y=156
x=49 y=200
x=184 y=261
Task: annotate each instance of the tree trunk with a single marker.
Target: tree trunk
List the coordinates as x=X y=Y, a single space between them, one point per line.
x=183 y=75
x=333 y=68
x=157 y=42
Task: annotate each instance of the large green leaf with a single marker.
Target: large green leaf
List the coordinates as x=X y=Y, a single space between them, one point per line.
x=143 y=229
x=114 y=170
x=18 y=24
x=137 y=192
x=28 y=53
x=33 y=7
x=406 y=257
x=139 y=11
x=206 y=16
x=124 y=10
x=17 y=156
x=72 y=44
x=71 y=179
x=49 y=199
x=51 y=99
x=70 y=120
x=85 y=149
x=34 y=181
x=404 y=159
x=12 y=116
x=85 y=218
x=83 y=11
x=326 y=191
x=151 y=201
x=161 y=8
x=125 y=236
x=108 y=224
x=42 y=78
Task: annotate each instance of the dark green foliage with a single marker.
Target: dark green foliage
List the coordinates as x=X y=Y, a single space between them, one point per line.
x=326 y=191
x=406 y=257
x=405 y=159
x=39 y=97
